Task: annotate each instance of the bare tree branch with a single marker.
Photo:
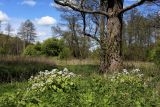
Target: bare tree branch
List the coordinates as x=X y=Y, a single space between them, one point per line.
x=81 y=3
x=92 y=36
x=84 y=29
x=157 y=3
x=80 y=9
x=133 y=6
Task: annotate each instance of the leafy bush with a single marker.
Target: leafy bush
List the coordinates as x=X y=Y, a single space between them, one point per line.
x=52 y=47
x=2 y=51
x=57 y=81
x=65 y=53
x=61 y=88
x=32 y=50
x=155 y=54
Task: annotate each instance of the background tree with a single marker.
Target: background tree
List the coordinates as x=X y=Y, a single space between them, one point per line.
x=78 y=43
x=13 y=46
x=8 y=29
x=27 y=32
x=0 y=26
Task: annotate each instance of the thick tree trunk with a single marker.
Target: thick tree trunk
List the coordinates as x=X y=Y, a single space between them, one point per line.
x=114 y=50
x=114 y=33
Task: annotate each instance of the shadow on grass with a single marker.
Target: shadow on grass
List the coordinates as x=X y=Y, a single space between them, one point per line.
x=85 y=70
x=21 y=71
x=11 y=88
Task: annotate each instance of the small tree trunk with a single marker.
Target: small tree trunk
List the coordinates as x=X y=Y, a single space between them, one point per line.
x=103 y=40
x=103 y=60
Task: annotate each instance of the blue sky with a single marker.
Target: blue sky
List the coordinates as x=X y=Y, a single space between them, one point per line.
x=38 y=11
x=41 y=12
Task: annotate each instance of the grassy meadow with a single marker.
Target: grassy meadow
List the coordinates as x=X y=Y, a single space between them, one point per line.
x=16 y=70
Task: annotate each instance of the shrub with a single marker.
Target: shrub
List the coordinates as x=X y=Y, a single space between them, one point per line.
x=155 y=54
x=52 y=47
x=57 y=81
x=65 y=53
x=2 y=51
x=32 y=50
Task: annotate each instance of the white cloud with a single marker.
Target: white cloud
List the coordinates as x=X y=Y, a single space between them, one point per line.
x=3 y=16
x=46 y=20
x=59 y=6
x=56 y=5
x=29 y=2
x=40 y=33
x=52 y=4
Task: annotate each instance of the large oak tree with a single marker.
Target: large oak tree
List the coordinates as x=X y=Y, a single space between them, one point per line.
x=112 y=11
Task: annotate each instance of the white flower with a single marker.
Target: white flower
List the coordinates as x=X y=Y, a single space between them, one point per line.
x=46 y=71
x=60 y=72
x=125 y=71
x=49 y=81
x=65 y=70
x=71 y=74
x=54 y=70
x=46 y=78
x=54 y=75
x=63 y=75
x=140 y=75
x=68 y=76
x=112 y=78
x=135 y=70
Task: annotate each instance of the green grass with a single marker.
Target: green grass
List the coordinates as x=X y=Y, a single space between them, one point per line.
x=85 y=70
x=11 y=88
x=20 y=69
x=23 y=70
x=19 y=72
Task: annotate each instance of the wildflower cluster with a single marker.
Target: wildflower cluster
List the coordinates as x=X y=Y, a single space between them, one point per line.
x=131 y=76
x=54 y=80
x=63 y=88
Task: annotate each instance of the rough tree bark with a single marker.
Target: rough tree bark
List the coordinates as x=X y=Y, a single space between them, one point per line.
x=114 y=32
x=103 y=40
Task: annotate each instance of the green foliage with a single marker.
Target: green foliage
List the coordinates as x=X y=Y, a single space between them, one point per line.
x=21 y=70
x=2 y=51
x=135 y=53
x=10 y=45
x=116 y=90
x=32 y=50
x=95 y=53
x=52 y=47
x=155 y=54
x=86 y=70
x=55 y=80
x=65 y=53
